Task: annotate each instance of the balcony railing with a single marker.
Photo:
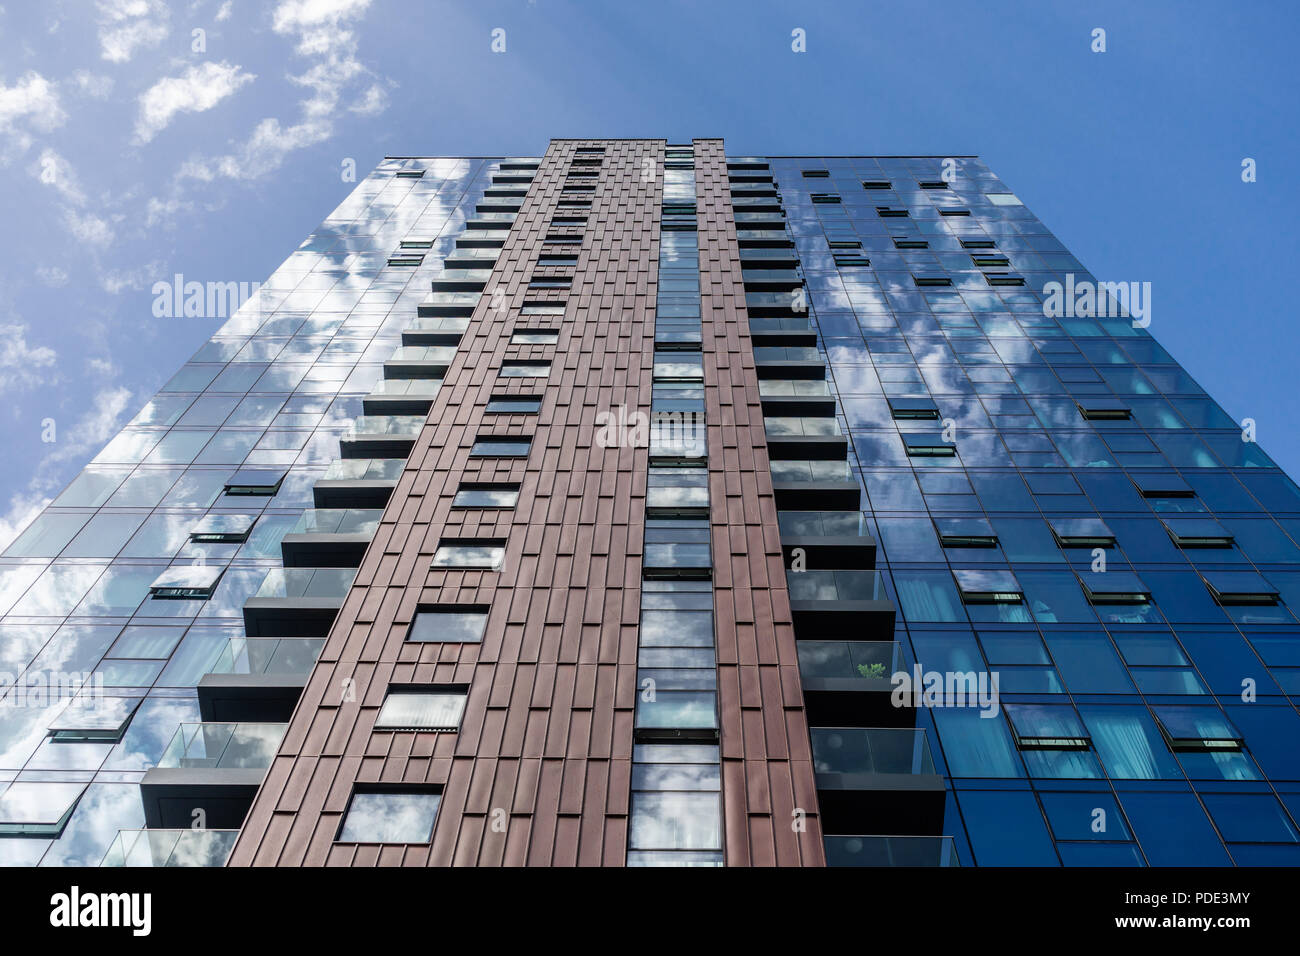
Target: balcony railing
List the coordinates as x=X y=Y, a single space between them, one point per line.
x=289 y=656
x=836 y=586
x=364 y=469
x=890 y=851
x=221 y=746
x=870 y=750
x=306 y=582
x=854 y=660
x=170 y=848
x=338 y=521
x=823 y=523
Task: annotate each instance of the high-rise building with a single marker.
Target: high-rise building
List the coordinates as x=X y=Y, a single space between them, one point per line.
x=642 y=505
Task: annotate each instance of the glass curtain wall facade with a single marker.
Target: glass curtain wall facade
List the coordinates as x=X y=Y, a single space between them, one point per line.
x=1041 y=588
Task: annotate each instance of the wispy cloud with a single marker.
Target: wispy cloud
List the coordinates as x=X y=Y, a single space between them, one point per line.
x=32 y=103
x=22 y=365
x=74 y=445
x=198 y=89
x=129 y=25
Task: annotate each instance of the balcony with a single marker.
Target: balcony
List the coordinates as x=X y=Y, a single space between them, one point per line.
x=828 y=539
x=381 y=436
x=358 y=482
x=258 y=678
x=804 y=485
x=795 y=396
x=215 y=768
x=776 y=304
x=460 y=280
x=839 y=604
x=297 y=602
x=435 y=330
x=330 y=537
x=771 y=280
x=420 y=361
x=789 y=362
x=870 y=775
x=808 y=437
x=777 y=332
x=890 y=851
x=183 y=847
x=847 y=683
x=402 y=396
x=449 y=303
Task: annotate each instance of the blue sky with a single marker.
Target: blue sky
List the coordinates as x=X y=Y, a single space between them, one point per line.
x=129 y=156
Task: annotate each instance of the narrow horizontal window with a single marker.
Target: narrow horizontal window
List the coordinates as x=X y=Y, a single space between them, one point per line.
x=932 y=281
x=501 y=447
x=988 y=587
x=220 y=528
x=1162 y=486
x=482 y=554
x=825 y=199
x=1004 y=279
x=252 y=481
x=187 y=582
x=448 y=625
x=843 y=260
x=816 y=174
x=520 y=369
x=407 y=260
x=986 y=261
x=486 y=496
x=978 y=244
x=877 y=184
x=422 y=708
x=966 y=533
x=535 y=337
x=948 y=213
x=921 y=445
x=909 y=408
x=1103 y=409
x=1232 y=588
x=903 y=243
x=891 y=212
x=1115 y=587
x=1198 y=533
x=410 y=174
x=1081 y=533
x=933 y=184
x=514 y=405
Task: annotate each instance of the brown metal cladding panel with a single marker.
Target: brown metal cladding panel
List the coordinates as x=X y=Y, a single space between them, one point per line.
x=554 y=676
x=763 y=726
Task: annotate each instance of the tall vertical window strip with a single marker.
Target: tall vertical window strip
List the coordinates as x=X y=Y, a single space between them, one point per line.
x=676 y=807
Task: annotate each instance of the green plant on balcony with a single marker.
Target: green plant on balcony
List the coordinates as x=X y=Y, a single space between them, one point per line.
x=871 y=670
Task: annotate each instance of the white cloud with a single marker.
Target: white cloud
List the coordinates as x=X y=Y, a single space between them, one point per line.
x=94 y=85
x=137 y=280
x=320 y=28
x=52 y=276
x=223 y=14
x=57 y=173
x=88 y=228
x=129 y=25
x=75 y=444
x=32 y=103
x=198 y=89
x=20 y=363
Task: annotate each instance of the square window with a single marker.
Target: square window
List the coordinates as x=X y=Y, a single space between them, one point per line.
x=988 y=587
x=187 y=582
x=1197 y=532
x=1103 y=409
x=923 y=445
x=448 y=624
x=484 y=554
x=390 y=816
x=254 y=481
x=912 y=407
x=1047 y=727
x=514 y=405
x=1232 y=588
x=501 y=446
x=521 y=369
x=1081 y=532
x=422 y=708
x=1162 y=485
x=1191 y=729
x=1115 y=587
x=966 y=533
x=486 y=496
x=38 y=809
x=222 y=528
